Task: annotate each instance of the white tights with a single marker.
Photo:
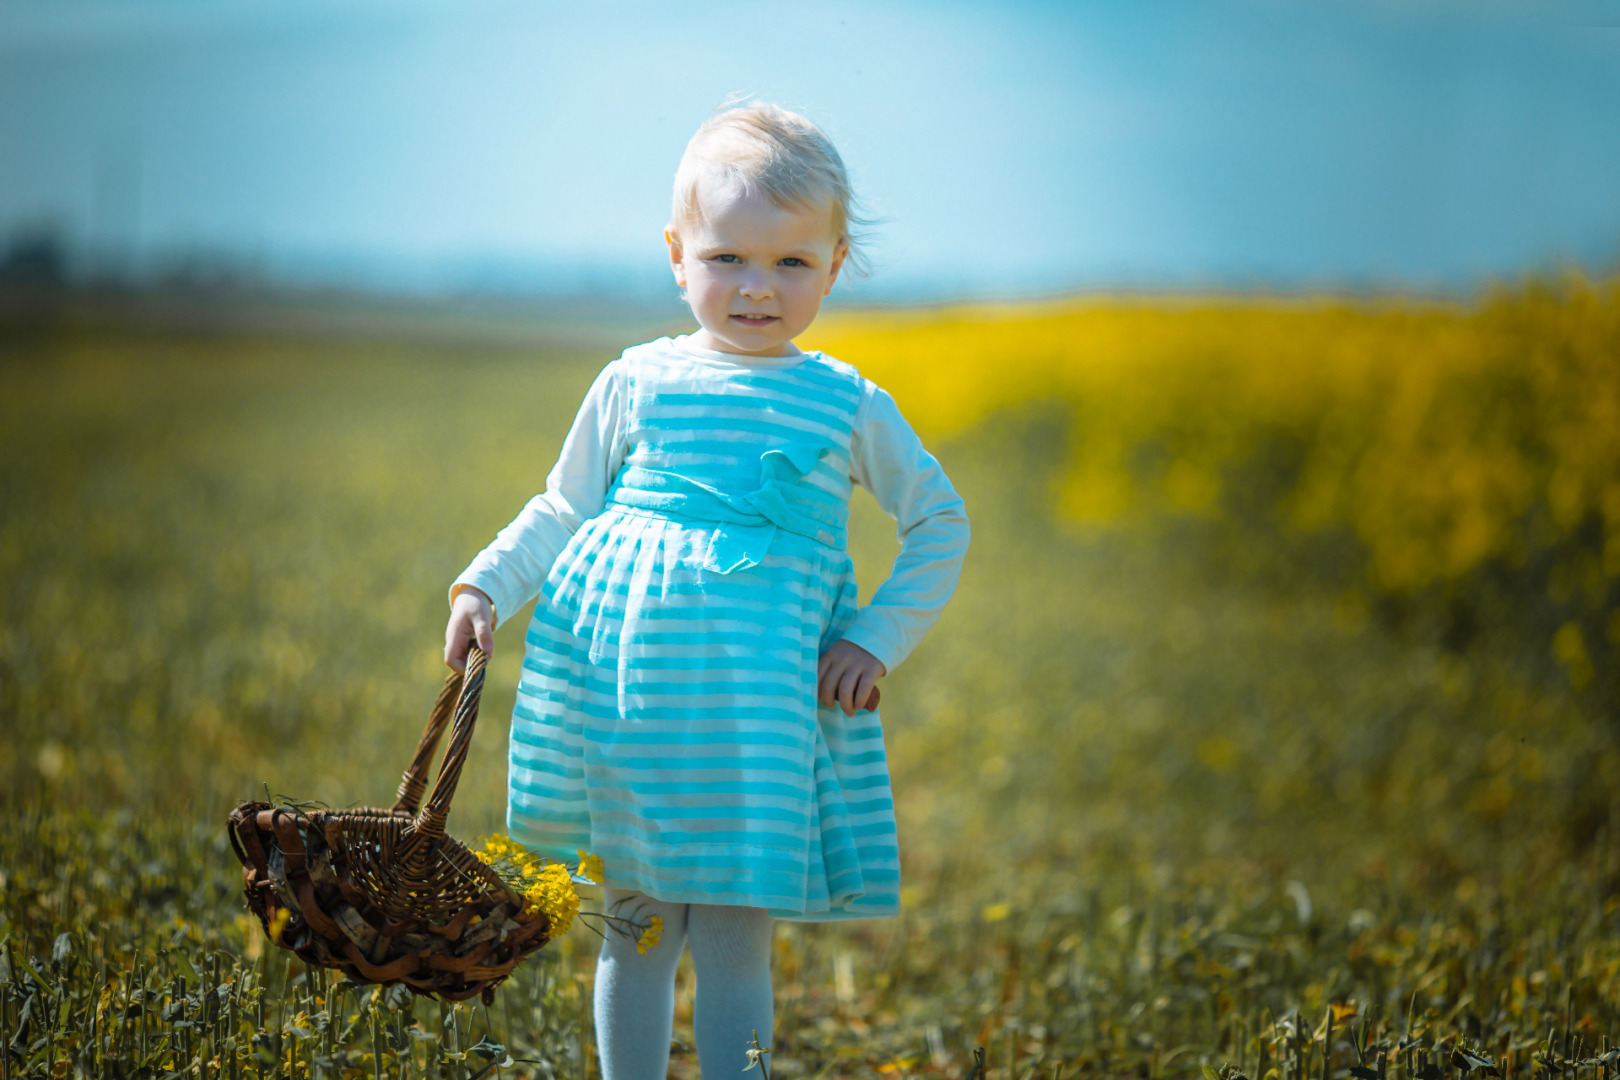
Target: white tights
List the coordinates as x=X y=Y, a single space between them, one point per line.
x=635 y=992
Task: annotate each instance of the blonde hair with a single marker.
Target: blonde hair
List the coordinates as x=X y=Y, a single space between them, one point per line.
x=766 y=149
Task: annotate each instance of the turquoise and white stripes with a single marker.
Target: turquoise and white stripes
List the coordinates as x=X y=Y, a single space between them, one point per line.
x=666 y=716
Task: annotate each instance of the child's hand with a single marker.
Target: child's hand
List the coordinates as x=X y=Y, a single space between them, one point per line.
x=471 y=616
x=847 y=677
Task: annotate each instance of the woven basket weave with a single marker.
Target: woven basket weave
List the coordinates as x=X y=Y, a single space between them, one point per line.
x=385 y=895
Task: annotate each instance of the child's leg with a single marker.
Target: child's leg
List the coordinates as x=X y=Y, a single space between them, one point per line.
x=635 y=992
x=731 y=957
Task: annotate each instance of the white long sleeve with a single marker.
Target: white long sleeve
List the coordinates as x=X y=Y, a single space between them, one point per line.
x=888 y=459
x=512 y=568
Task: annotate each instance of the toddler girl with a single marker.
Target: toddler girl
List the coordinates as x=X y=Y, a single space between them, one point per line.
x=693 y=702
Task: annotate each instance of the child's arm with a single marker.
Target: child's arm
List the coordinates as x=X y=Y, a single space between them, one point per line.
x=890 y=461
x=509 y=572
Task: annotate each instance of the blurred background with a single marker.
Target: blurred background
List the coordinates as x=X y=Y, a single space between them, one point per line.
x=1275 y=349
x=1008 y=148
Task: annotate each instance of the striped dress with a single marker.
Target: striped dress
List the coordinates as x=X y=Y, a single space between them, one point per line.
x=666 y=715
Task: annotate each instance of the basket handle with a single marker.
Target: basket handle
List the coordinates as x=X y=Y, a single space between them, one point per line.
x=430 y=822
x=414 y=783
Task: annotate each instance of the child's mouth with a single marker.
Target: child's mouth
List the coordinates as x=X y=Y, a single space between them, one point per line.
x=755 y=320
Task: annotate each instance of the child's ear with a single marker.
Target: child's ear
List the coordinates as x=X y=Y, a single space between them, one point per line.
x=676 y=258
x=840 y=250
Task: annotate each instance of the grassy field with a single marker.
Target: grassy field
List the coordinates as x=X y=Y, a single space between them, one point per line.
x=1273 y=728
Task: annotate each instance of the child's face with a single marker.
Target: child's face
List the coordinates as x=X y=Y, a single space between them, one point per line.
x=755 y=273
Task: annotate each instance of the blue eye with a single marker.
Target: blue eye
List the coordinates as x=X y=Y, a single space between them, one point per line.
x=793 y=260
x=725 y=258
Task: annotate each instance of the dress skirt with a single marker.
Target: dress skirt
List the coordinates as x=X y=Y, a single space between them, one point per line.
x=667 y=720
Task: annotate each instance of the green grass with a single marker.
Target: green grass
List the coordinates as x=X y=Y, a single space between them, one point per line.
x=1166 y=793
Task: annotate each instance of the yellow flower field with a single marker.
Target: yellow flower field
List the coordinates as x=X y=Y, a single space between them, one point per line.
x=1273 y=728
x=1429 y=431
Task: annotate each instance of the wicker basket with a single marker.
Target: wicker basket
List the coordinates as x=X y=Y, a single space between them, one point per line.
x=384 y=895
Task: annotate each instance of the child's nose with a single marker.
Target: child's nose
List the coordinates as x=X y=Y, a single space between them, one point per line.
x=755 y=286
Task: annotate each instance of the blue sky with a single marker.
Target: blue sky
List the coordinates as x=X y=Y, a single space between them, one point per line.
x=1011 y=148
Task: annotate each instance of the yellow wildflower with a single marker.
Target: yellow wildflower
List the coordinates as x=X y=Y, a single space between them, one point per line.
x=652 y=935
x=546 y=887
x=590 y=867
x=552 y=891
x=495 y=849
x=278 y=923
